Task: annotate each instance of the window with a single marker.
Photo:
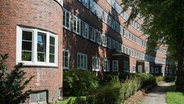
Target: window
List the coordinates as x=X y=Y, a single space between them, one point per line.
x=98 y=11
x=104 y=40
x=133 y=68
x=96 y=64
x=140 y=68
x=36 y=47
x=85 y=30
x=123 y=49
x=115 y=65
x=113 y=23
x=109 y=20
x=85 y=3
x=113 y=44
x=117 y=27
x=126 y=33
x=92 y=6
x=104 y=16
x=121 y=30
x=109 y=42
x=76 y=25
x=92 y=33
x=126 y=66
x=106 y=66
x=66 y=19
x=98 y=37
x=81 y=61
x=66 y=59
x=38 y=98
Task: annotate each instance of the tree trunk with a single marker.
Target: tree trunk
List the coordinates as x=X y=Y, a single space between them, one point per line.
x=180 y=57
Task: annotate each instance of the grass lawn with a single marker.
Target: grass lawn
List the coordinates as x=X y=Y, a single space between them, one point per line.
x=174 y=97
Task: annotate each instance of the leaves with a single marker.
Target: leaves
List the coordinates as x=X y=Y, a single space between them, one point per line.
x=12 y=83
x=162 y=18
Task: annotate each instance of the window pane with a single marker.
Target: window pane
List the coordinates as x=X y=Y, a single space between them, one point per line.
x=41 y=57
x=52 y=40
x=26 y=56
x=27 y=35
x=41 y=47
x=51 y=58
x=26 y=46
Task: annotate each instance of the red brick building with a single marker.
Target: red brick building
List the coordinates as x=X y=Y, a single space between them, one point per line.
x=95 y=38
x=50 y=36
x=31 y=32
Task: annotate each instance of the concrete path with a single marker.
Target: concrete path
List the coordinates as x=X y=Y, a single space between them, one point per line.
x=157 y=95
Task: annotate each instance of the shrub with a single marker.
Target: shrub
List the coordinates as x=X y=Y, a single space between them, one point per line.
x=12 y=83
x=115 y=92
x=79 y=82
x=169 y=78
x=146 y=79
x=159 y=78
x=108 y=93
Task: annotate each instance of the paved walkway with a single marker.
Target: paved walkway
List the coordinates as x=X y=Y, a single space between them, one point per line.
x=157 y=95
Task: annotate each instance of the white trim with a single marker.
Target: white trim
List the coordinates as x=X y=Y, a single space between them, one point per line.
x=65 y=50
x=34 y=61
x=96 y=61
x=85 y=65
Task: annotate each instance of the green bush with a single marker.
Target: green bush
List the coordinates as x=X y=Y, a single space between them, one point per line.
x=79 y=82
x=115 y=92
x=169 y=78
x=12 y=83
x=159 y=78
x=146 y=79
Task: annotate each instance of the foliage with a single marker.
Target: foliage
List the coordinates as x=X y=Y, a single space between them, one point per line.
x=12 y=83
x=79 y=82
x=163 y=21
x=159 y=78
x=169 y=78
x=174 y=97
x=146 y=79
x=116 y=92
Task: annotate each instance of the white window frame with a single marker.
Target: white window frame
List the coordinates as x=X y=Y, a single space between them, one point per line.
x=133 y=68
x=96 y=61
x=104 y=40
x=85 y=30
x=82 y=61
x=92 y=33
x=65 y=19
x=34 y=61
x=98 y=37
x=106 y=65
x=77 y=25
x=39 y=96
x=68 y=58
x=115 y=65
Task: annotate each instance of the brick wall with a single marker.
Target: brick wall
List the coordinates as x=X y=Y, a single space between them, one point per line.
x=42 y=14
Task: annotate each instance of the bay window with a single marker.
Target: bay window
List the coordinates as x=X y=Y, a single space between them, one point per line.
x=36 y=47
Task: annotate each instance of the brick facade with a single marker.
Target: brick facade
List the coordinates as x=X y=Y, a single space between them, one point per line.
x=137 y=50
x=37 y=14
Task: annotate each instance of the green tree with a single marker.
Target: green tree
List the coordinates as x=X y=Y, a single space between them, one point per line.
x=164 y=22
x=12 y=83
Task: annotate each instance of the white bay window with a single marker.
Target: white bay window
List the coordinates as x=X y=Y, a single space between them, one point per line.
x=36 y=47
